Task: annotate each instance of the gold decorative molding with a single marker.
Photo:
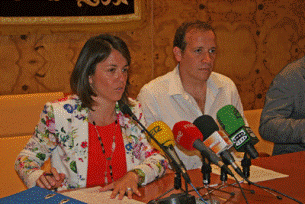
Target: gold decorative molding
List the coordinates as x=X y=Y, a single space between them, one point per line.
x=53 y=24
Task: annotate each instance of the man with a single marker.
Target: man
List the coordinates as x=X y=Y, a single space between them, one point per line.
x=283 y=117
x=191 y=89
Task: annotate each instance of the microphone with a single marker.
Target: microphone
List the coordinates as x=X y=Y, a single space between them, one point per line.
x=242 y=136
x=213 y=138
x=189 y=137
x=164 y=135
x=165 y=142
x=126 y=110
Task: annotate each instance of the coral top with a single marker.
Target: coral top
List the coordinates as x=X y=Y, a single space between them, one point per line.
x=97 y=160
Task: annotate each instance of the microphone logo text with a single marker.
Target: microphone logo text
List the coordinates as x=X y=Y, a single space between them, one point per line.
x=155 y=130
x=240 y=138
x=180 y=134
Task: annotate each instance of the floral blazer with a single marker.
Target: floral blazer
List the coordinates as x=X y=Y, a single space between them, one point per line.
x=62 y=135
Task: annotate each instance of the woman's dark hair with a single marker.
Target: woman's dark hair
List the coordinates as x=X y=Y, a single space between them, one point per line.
x=95 y=50
x=179 y=40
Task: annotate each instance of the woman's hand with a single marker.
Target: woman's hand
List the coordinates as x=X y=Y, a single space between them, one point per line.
x=128 y=184
x=50 y=180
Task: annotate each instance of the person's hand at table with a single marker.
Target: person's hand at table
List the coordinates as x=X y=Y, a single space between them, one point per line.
x=128 y=184
x=51 y=180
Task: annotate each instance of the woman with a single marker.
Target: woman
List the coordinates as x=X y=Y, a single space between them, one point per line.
x=88 y=138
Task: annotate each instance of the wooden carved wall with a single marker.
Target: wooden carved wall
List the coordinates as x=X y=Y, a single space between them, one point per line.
x=256 y=39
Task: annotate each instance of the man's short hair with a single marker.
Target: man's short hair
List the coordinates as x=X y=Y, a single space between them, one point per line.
x=179 y=40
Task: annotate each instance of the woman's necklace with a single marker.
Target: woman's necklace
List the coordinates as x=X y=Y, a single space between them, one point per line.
x=108 y=159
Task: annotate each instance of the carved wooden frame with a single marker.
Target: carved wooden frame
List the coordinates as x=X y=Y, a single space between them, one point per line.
x=48 y=24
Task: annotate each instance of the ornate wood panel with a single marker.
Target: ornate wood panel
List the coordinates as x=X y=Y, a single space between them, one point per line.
x=256 y=39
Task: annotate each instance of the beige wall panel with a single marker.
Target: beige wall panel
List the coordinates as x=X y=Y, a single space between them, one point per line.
x=140 y=46
x=8 y=68
x=168 y=15
x=256 y=39
x=44 y=63
x=237 y=41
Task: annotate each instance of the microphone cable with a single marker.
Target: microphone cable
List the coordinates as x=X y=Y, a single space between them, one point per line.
x=195 y=189
x=125 y=109
x=200 y=197
x=243 y=193
x=241 y=189
x=267 y=189
x=270 y=189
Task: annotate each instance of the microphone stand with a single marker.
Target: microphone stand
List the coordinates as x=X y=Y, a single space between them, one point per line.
x=223 y=178
x=177 y=185
x=206 y=171
x=246 y=164
x=251 y=153
x=175 y=198
x=184 y=197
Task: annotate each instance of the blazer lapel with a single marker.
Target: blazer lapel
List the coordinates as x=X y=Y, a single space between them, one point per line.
x=125 y=124
x=79 y=126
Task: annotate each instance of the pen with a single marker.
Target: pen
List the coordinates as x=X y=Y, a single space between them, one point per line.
x=48 y=174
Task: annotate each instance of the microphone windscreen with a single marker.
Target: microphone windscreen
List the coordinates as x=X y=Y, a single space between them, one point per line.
x=212 y=137
x=186 y=134
x=207 y=125
x=162 y=133
x=230 y=119
x=126 y=110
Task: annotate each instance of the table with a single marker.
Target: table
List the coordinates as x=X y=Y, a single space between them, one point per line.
x=292 y=164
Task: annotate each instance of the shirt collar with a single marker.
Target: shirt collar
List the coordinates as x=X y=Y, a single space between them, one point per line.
x=175 y=84
x=176 y=88
x=215 y=83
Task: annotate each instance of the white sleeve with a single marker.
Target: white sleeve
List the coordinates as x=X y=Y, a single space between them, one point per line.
x=149 y=106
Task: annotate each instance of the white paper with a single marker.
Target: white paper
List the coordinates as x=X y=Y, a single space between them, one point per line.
x=93 y=196
x=257 y=174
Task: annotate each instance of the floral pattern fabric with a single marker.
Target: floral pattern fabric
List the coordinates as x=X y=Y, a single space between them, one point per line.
x=62 y=135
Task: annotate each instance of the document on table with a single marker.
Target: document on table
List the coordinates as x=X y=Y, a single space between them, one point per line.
x=257 y=173
x=93 y=196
